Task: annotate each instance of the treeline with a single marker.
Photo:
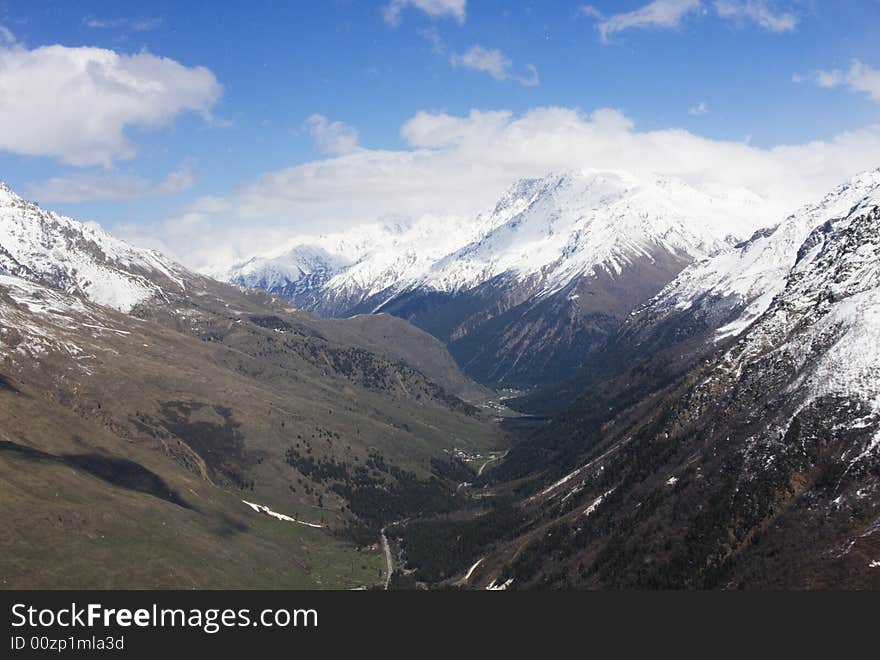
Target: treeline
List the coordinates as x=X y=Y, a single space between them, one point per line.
x=379 y=492
x=440 y=548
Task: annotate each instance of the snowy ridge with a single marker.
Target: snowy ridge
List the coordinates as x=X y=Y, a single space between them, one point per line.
x=579 y=222
x=826 y=321
x=61 y=252
x=366 y=260
x=299 y=262
x=556 y=228
x=817 y=339
x=747 y=279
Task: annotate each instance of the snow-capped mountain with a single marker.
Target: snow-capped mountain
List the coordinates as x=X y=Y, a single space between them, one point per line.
x=505 y=288
x=736 y=287
x=579 y=222
x=51 y=249
x=559 y=227
x=821 y=330
x=333 y=273
x=756 y=465
x=714 y=299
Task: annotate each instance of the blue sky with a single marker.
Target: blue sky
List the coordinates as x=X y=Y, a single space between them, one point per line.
x=241 y=80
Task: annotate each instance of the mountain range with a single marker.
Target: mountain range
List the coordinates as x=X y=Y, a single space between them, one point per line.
x=522 y=294
x=703 y=407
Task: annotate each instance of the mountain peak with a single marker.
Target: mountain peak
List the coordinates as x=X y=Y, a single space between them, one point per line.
x=63 y=253
x=743 y=283
x=7 y=194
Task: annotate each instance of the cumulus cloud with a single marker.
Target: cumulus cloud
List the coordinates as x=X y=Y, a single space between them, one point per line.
x=460 y=165
x=434 y=130
x=761 y=12
x=455 y=9
x=657 y=14
x=104 y=186
x=495 y=63
x=332 y=137
x=74 y=104
x=859 y=78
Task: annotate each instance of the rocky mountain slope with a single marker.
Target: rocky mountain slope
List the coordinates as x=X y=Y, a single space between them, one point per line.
x=143 y=406
x=755 y=463
x=522 y=294
x=60 y=252
x=709 y=303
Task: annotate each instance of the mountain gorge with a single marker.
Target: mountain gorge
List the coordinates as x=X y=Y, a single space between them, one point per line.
x=520 y=295
x=722 y=438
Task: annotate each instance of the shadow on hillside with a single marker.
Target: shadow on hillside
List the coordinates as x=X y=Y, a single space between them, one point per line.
x=119 y=472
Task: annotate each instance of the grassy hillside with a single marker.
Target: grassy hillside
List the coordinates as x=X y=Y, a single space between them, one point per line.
x=125 y=462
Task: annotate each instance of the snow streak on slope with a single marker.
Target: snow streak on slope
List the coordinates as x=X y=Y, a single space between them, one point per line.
x=747 y=279
x=45 y=247
x=36 y=320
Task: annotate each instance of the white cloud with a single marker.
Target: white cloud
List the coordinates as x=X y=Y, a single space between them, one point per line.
x=761 y=12
x=701 y=108
x=455 y=9
x=433 y=37
x=103 y=186
x=461 y=164
x=858 y=78
x=495 y=63
x=432 y=130
x=532 y=80
x=488 y=60
x=6 y=36
x=74 y=104
x=140 y=24
x=332 y=137
x=590 y=11
x=670 y=14
x=657 y=14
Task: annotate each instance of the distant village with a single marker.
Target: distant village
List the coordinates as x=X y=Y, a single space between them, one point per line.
x=463 y=455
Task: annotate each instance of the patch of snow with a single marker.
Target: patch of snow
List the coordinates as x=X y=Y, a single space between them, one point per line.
x=472 y=569
x=595 y=503
x=499 y=587
x=260 y=508
x=564 y=479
